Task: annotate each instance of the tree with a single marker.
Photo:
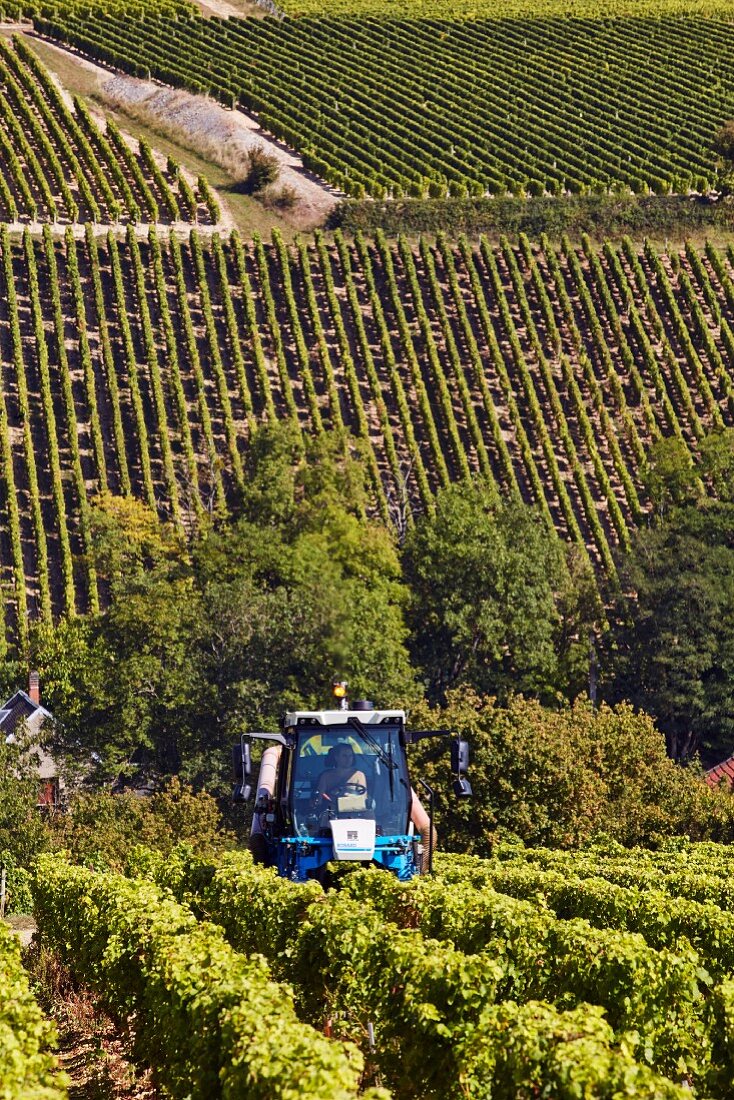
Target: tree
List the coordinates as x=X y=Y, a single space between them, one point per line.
x=716 y=464
x=286 y=616
x=303 y=587
x=130 y=541
x=492 y=599
x=21 y=829
x=103 y=829
x=128 y=682
x=724 y=140
x=671 y=649
x=200 y=643
x=290 y=480
x=563 y=777
x=670 y=476
x=723 y=144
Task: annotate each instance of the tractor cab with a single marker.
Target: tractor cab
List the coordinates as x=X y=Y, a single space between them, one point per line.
x=350 y=781
x=335 y=785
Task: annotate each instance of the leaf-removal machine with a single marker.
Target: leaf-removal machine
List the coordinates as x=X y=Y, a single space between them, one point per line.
x=335 y=785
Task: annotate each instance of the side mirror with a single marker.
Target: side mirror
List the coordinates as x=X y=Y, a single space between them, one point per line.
x=241 y=792
x=241 y=771
x=459 y=757
x=462 y=787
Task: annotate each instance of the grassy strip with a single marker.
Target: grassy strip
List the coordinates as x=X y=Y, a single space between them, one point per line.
x=599 y=216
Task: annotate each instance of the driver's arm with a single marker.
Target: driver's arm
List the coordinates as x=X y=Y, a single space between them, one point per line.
x=323 y=781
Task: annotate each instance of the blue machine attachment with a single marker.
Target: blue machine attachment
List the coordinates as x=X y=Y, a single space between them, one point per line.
x=301 y=858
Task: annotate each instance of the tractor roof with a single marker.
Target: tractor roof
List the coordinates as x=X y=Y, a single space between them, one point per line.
x=339 y=717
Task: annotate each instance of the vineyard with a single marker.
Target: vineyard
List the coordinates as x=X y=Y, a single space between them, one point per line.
x=504 y=9
x=430 y=107
x=609 y=967
x=58 y=165
x=26 y=1067
x=144 y=344
x=144 y=366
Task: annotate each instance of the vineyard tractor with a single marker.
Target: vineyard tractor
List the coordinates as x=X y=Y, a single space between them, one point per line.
x=335 y=785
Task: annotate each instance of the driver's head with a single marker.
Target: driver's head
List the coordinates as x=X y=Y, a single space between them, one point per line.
x=343 y=755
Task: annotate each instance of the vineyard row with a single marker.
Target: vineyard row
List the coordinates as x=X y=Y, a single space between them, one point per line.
x=57 y=164
x=657 y=963
x=143 y=367
x=209 y=1020
x=703 y=873
x=529 y=954
x=27 y=1069
x=349 y=966
x=433 y=107
x=664 y=919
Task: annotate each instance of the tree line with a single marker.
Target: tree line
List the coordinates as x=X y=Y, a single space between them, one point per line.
x=479 y=616
x=221 y=631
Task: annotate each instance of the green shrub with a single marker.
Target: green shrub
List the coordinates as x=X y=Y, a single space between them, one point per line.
x=561 y=777
x=17 y=884
x=598 y=215
x=101 y=828
x=263 y=169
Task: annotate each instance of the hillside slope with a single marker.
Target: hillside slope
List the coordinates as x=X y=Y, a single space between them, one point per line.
x=544 y=102
x=143 y=367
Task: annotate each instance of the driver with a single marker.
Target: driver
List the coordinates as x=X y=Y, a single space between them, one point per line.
x=342 y=773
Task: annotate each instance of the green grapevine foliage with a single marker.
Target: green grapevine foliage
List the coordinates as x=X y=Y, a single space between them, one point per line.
x=211 y=1021
x=59 y=164
x=28 y=1070
x=144 y=363
x=464 y=973
x=418 y=103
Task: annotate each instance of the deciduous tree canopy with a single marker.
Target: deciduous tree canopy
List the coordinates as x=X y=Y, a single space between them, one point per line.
x=671 y=650
x=493 y=601
x=563 y=777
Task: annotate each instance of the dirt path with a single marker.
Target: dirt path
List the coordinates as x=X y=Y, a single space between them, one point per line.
x=24 y=928
x=223 y=136
x=96 y=1055
x=93 y=1049
x=224 y=10
x=118 y=229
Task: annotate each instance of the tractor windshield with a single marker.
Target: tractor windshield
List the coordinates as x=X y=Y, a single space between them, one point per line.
x=340 y=772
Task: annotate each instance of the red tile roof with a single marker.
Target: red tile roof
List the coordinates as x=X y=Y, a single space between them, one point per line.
x=724 y=770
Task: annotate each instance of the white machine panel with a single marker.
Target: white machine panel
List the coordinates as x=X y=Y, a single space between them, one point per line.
x=353 y=839
x=339 y=717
